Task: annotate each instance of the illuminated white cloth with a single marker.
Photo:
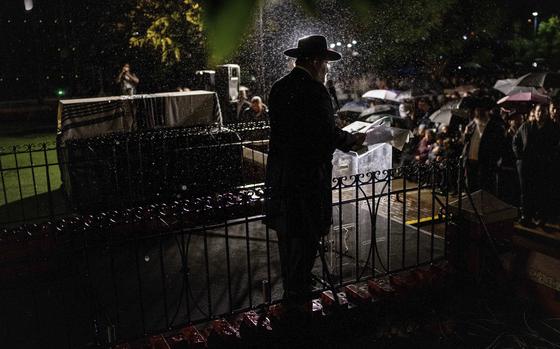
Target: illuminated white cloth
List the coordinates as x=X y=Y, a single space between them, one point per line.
x=90 y=117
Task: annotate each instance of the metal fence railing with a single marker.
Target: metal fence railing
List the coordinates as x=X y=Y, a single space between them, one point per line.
x=30 y=181
x=49 y=180
x=117 y=237
x=126 y=272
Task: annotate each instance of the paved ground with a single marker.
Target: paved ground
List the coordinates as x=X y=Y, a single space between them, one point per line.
x=128 y=276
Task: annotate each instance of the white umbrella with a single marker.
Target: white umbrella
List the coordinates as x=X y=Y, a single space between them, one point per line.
x=445 y=113
x=352 y=107
x=411 y=94
x=546 y=80
x=510 y=87
x=376 y=109
x=386 y=95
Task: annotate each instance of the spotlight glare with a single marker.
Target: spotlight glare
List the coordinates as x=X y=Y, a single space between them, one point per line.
x=28 y=5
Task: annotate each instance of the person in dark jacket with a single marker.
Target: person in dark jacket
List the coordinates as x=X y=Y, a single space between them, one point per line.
x=484 y=146
x=508 y=178
x=257 y=111
x=298 y=174
x=423 y=112
x=242 y=103
x=535 y=145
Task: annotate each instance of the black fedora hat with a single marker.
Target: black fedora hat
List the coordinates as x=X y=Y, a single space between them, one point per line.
x=313 y=46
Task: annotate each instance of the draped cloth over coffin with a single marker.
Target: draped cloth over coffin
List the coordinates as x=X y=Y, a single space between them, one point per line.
x=90 y=117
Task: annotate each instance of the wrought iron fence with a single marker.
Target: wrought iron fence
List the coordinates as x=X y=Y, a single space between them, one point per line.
x=29 y=178
x=122 y=236
x=126 y=169
x=95 y=279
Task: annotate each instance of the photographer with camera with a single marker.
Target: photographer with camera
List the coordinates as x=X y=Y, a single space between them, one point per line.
x=127 y=81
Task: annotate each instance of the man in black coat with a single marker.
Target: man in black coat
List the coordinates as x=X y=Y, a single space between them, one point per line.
x=535 y=146
x=298 y=179
x=484 y=146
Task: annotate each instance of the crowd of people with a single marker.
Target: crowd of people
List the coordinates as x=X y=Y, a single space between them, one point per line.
x=512 y=153
x=489 y=141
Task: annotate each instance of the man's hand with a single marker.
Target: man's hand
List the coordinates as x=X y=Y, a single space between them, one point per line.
x=359 y=139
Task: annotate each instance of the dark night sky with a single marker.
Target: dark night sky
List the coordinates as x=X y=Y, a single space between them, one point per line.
x=38 y=54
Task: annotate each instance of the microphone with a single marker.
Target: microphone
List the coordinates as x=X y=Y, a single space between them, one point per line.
x=332 y=92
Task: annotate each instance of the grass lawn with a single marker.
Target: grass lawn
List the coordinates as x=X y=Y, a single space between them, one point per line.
x=28 y=165
x=7 y=141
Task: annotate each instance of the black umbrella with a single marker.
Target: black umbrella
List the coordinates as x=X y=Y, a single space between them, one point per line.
x=546 y=80
x=412 y=94
x=386 y=119
x=461 y=103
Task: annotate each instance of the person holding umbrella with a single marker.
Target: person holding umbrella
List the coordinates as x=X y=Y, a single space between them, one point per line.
x=484 y=146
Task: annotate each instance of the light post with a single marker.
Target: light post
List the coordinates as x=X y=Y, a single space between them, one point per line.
x=535 y=20
x=262 y=82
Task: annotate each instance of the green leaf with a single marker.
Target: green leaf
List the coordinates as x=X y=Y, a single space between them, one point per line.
x=226 y=23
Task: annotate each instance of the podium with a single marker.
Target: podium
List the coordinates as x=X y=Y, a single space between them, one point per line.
x=467 y=238
x=497 y=215
x=372 y=158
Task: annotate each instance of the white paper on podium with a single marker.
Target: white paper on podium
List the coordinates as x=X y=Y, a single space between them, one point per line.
x=397 y=137
x=358 y=126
